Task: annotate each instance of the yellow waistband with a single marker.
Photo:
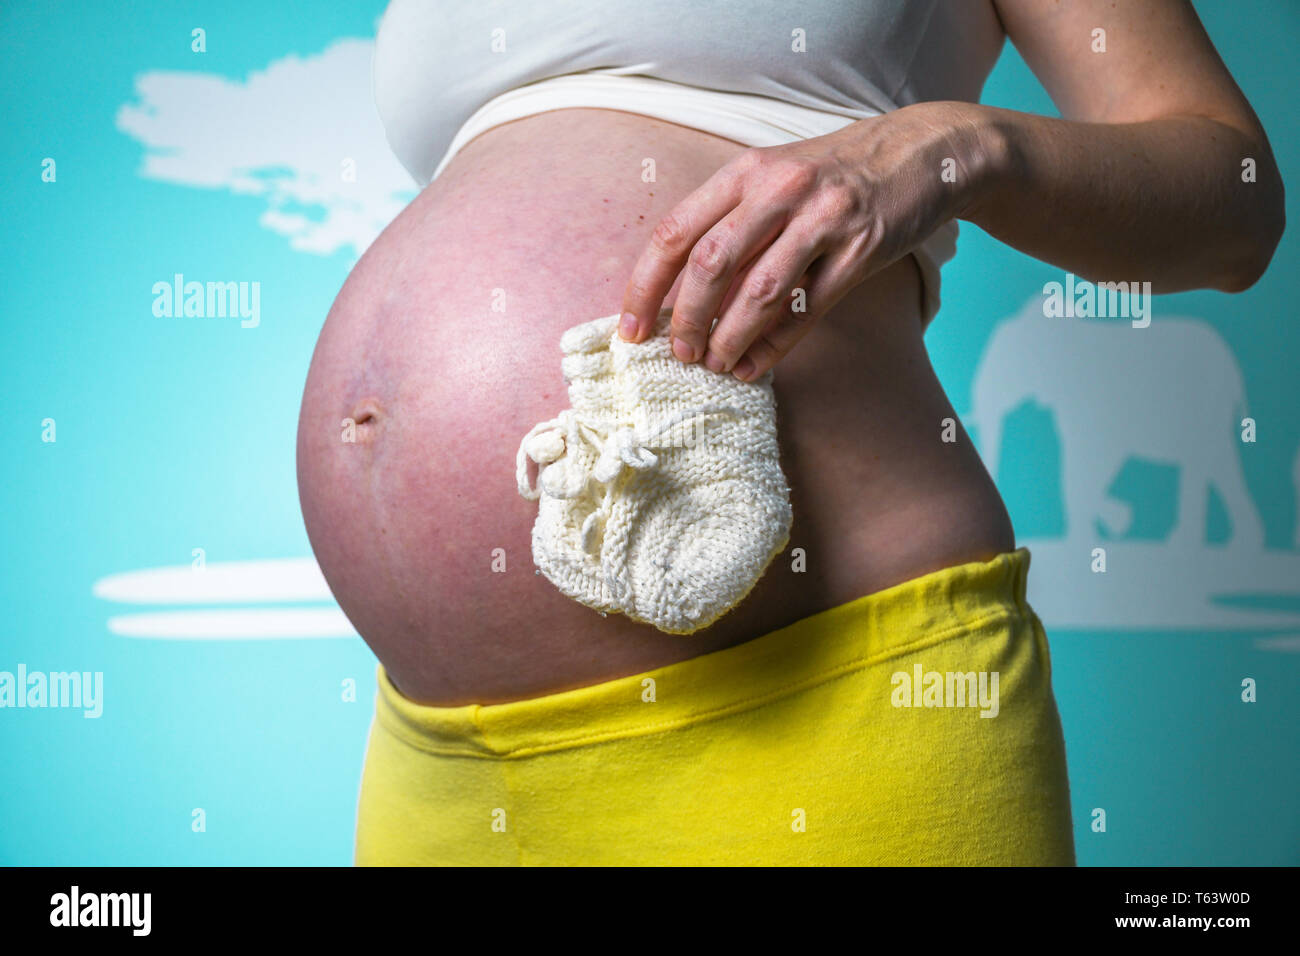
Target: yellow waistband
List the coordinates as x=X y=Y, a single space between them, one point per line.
x=908 y=616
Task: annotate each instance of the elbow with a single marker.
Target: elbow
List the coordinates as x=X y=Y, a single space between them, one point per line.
x=1246 y=272
x=1249 y=265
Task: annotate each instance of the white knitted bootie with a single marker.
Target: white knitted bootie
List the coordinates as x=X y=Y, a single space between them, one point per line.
x=661 y=491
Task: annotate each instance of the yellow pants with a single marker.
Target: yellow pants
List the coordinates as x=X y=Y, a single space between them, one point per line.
x=915 y=725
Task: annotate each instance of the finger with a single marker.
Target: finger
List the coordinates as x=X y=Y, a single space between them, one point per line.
x=665 y=255
x=793 y=322
x=737 y=284
x=711 y=267
x=763 y=295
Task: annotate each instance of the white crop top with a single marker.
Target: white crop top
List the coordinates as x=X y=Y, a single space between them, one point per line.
x=753 y=71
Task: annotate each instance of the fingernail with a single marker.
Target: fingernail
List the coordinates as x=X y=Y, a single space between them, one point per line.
x=683 y=351
x=713 y=363
x=627 y=326
x=744 y=368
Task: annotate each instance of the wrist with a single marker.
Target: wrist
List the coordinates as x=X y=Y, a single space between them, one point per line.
x=987 y=153
x=968 y=147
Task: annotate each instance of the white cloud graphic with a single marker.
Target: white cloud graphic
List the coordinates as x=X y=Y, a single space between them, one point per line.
x=295 y=601
x=284 y=134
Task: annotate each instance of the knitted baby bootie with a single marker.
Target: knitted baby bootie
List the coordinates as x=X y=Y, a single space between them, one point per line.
x=661 y=491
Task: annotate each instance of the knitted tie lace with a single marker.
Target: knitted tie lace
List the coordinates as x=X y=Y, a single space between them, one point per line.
x=661 y=491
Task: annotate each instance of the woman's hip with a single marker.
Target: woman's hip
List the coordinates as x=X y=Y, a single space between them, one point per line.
x=912 y=726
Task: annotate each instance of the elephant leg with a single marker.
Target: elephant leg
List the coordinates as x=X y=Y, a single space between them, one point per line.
x=1189 y=529
x=1116 y=516
x=1084 y=480
x=1247 y=530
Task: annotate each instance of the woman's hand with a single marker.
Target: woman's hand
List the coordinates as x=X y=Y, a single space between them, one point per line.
x=776 y=237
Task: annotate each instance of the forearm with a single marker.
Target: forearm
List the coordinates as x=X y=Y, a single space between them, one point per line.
x=1162 y=201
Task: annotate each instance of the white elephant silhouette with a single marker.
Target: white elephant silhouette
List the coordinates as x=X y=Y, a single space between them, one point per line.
x=1169 y=393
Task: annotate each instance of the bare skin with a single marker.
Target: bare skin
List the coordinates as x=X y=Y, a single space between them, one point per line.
x=552 y=210
x=1141 y=179
x=404 y=520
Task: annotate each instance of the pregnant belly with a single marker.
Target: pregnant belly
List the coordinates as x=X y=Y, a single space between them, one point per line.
x=442 y=350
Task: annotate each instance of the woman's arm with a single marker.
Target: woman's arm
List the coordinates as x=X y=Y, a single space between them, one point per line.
x=1141 y=180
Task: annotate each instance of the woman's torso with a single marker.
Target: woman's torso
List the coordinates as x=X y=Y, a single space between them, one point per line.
x=443 y=346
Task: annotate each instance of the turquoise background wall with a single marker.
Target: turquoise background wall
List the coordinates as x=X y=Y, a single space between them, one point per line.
x=127 y=539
